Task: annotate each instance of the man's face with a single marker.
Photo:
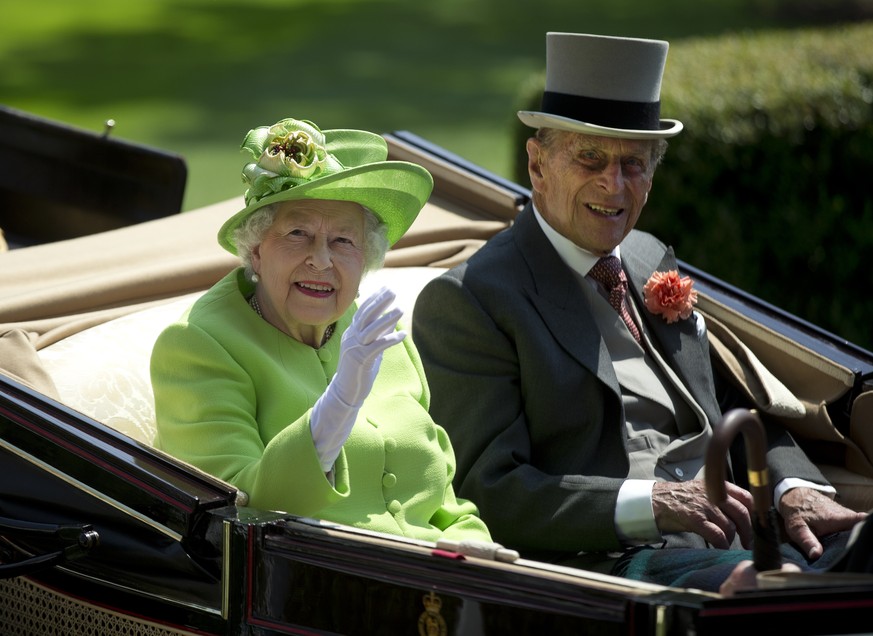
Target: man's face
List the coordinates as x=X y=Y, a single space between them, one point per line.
x=591 y=189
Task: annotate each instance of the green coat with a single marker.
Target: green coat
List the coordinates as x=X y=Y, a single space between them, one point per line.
x=233 y=396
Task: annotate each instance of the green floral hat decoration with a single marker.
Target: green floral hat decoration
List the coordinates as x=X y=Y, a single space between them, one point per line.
x=294 y=159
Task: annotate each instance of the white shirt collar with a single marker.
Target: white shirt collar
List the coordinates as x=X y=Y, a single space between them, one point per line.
x=576 y=258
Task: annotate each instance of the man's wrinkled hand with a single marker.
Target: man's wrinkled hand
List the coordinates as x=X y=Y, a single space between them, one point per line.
x=684 y=507
x=808 y=514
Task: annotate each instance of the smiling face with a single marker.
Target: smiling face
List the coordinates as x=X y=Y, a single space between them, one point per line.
x=310 y=263
x=591 y=189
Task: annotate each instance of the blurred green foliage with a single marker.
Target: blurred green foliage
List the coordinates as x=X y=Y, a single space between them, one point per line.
x=768 y=185
x=193 y=76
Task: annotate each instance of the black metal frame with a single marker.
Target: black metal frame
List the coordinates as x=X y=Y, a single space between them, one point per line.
x=60 y=182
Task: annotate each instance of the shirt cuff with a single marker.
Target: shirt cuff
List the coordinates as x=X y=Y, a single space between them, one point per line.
x=794 y=482
x=634 y=517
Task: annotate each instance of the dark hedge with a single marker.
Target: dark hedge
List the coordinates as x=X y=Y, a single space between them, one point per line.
x=770 y=185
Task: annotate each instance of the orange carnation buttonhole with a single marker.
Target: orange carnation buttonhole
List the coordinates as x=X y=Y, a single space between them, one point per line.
x=669 y=295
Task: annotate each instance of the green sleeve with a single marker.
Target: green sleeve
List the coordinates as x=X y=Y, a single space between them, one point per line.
x=457 y=518
x=205 y=405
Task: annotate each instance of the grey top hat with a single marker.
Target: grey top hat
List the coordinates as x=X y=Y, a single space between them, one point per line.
x=602 y=85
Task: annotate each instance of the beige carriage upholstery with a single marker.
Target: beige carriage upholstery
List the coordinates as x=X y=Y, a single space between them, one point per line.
x=766 y=365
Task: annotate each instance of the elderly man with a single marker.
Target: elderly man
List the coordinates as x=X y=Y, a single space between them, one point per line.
x=580 y=412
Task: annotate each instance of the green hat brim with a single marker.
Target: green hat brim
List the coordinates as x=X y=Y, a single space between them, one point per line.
x=395 y=191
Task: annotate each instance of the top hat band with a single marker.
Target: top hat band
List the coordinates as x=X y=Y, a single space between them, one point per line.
x=610 y=113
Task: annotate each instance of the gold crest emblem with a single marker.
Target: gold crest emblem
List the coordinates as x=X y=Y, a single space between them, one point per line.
x=431 y=623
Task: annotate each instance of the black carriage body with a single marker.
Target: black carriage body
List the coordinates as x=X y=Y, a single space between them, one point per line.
x=176 y=555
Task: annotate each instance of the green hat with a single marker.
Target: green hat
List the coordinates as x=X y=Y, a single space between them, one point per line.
x=295 y=160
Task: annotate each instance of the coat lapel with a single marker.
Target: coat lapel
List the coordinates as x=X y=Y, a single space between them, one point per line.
x=682 y=347
x=560 y=302
x=564 y=309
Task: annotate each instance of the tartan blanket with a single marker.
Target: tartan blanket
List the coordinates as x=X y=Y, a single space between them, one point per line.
x=707 y=568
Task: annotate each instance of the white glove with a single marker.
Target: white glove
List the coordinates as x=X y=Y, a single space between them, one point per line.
x=480 y=549
x=371 y=332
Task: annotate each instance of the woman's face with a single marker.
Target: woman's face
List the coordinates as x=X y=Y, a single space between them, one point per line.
x=310 y=263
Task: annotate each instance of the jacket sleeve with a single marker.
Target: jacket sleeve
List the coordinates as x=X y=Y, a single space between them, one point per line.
x=536 y=502
x=458 y=518
x=205 y=405
x=785 y=458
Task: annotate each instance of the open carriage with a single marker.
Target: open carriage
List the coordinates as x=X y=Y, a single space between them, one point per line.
x=102 y=534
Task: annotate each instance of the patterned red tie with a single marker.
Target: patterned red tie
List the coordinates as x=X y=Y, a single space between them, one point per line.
x=608 y=272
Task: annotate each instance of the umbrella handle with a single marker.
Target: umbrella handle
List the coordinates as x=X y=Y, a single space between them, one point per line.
x=765 y=550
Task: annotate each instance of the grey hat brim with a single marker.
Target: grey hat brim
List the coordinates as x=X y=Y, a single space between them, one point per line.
x=535 y=119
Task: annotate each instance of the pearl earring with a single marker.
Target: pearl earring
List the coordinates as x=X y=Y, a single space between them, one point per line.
x=255 y=278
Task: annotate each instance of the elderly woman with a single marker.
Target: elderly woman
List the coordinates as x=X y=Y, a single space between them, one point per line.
x=277 y=383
